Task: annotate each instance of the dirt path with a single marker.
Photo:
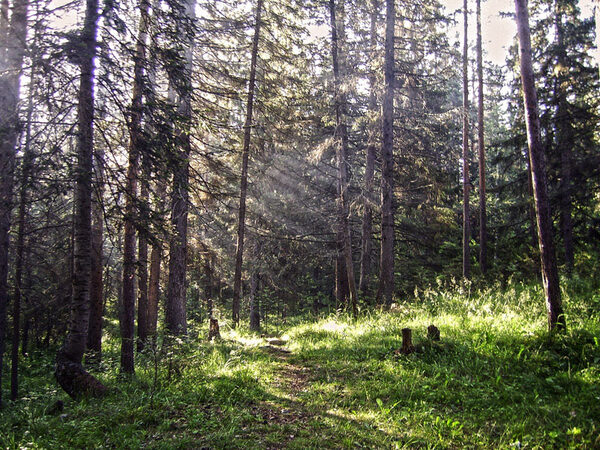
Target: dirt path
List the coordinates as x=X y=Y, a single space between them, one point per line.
x=287 y=408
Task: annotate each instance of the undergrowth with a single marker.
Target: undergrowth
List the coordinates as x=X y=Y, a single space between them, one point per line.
x=496 y=379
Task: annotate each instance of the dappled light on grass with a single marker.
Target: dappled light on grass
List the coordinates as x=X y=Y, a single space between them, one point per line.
x=244 y=339
x=495 y=379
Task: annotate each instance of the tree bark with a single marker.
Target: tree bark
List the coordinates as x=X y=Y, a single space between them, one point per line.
x=342 y=291
x=12 y=51
x=556 y=318
x=254 y=303
x=465 y=151
x=239 y=251
x=4 y=30
x=21 y=223
x=367 y=221
x=407 y=344
x=386 y=263
x=597 y=15
x=564 y=141
x=142 y=318
x=69 y=371
x=130 y=222
x=94 y=339
x=483 y=264
x=341 y=146
x=175 y=311
x=208 y=281
x=155 y=261
x=154 y=288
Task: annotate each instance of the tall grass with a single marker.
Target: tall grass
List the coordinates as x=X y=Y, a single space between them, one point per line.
x=496 y=379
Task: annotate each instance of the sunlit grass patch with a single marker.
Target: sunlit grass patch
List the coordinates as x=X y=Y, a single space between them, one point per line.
x=496 y=379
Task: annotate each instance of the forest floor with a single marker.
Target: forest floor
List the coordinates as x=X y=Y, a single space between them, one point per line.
x=496 y=379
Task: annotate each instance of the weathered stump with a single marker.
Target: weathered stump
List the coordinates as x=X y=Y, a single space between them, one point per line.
x=75 y=380
x=213 y=330
x=407 y=345
x=433 y=333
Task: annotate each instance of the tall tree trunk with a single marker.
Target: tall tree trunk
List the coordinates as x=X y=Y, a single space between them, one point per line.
x=97 y=288
x=483 y=263
x=155 y=262
x=556 y=318
x=21 y=222
x=208 y=281
x=175 y=311
x=531 y=206
x=239 y=251
x=465 y=151
x=12 y=50
x=142 y=317
x=342 y=290
x=254 y=302
x=130 y=222
x=4 y=30
x=597 y=8
x=341 y=145
x=69 y=371
x=153 y=282
x=564 y=141
x=94 y=339
x=386 y=263
x=367 y=222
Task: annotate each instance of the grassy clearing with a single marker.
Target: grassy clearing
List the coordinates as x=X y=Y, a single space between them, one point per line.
x=495 y=380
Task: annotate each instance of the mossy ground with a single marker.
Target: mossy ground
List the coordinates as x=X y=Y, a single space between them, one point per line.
x=496 y=379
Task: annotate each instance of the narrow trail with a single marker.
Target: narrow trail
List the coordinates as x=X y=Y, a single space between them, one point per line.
x=287 y=409
x=293 y=415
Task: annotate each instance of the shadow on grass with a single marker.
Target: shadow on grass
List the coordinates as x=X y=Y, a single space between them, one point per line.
x=476 y=387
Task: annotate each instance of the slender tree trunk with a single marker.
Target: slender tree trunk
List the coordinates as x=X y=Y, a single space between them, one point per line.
x=531 y=205
x=483 y=263
x=239 y=252
x=254 y=303
x=4 y=30
x=94 y=339
x=597 y=8
x=208 y=281
x=12 y=50
x=153 y=282
x=155 y=261
x=367 y=222
x=175 y=311
x=97 y=288
x=341 y=145
x=136 y=144
x=386 y=263
x=556 y=318
x=69 y=371
x=465 y=151
x=142 y=318
x=342 y=290
x=27 y=319
x=21 y=222
x=564 y=140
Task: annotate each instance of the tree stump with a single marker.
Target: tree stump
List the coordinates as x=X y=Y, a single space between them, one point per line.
x=407 y=345
x=433 y=333
x=213 y=330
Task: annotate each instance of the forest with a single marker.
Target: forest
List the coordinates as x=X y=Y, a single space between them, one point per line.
x=299 y=224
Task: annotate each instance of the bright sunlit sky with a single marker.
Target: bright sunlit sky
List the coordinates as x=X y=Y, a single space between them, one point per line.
x=498 y=32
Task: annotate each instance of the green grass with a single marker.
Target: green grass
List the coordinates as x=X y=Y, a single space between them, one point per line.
x=496 y=379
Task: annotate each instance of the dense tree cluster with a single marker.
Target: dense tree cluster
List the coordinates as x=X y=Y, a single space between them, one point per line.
x=163 y=162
